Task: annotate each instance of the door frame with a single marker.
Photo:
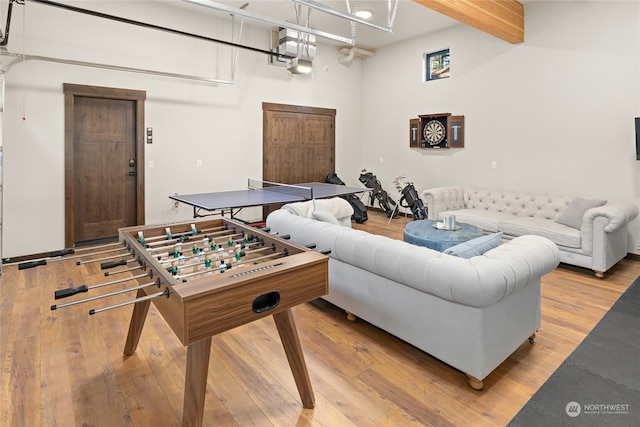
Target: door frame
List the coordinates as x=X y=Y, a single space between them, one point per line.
x=71 y=91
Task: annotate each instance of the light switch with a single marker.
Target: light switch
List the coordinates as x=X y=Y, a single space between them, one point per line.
x=151 y=165
x=198 y=163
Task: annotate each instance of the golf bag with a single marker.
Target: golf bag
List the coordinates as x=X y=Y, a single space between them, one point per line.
x=359 y=209
x=411 y=198
x=387 y=204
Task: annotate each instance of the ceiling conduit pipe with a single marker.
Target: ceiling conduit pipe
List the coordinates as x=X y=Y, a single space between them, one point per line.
x=4 y=38
x=354 y=52
x=21 y=58
x=234 y=54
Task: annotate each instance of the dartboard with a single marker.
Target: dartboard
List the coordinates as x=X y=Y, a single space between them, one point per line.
x=434 y=132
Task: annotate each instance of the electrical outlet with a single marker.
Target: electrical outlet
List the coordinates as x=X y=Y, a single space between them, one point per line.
x=494 y=164
x=198 y=163
x=150 y=164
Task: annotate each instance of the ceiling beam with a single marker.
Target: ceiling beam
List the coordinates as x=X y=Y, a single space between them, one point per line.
x=500 y=18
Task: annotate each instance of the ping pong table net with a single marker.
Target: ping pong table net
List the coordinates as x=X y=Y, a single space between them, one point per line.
x=295 y=191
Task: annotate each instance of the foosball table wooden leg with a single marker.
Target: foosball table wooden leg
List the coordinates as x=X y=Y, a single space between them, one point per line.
x=138 y=317
x=196 y=382
x=291 y=343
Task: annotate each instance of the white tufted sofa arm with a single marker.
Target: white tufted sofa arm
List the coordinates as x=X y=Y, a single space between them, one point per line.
x=337 y=206
x=443 y=199
x=617 y=214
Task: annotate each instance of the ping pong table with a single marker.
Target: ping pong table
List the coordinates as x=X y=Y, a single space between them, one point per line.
x=262 y=193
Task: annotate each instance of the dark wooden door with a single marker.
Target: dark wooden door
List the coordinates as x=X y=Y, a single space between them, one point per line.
x=105 y=165
x=105 y=182
x=298 y=143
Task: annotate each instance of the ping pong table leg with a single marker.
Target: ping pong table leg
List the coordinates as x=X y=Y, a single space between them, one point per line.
x=293 y=350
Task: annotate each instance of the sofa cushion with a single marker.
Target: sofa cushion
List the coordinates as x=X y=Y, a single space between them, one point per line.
x=514 y=203
x=321 y=213
x=475 y=247
x=558 y=233
x=338 y=207
x=573 y=214
x=485 y=219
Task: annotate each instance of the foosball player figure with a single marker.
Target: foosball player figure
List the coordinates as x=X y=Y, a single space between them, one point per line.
x=207 y=261
x=194 y=249
x=224 y=266
x=173 y=269
x=181 y=259
x=201 y=255
x=194 y=230
x=168 y=231
x=230 y=242
x=205 y=241
x=212 y=245
x=141 y=238
x=220 y=252
x=245 y=238
x=239 y=254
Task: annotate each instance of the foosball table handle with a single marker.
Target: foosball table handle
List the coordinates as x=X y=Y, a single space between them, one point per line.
x=63 y=293
x=107 y=265
x=31 y=264
x=62 y=252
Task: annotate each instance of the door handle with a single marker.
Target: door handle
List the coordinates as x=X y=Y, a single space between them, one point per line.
x=132 y=163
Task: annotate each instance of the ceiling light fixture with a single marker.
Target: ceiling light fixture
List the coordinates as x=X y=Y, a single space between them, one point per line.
x=299 y=66
x=364 y=14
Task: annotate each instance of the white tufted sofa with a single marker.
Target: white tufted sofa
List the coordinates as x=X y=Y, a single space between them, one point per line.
x=598 y=244
x=469 y=313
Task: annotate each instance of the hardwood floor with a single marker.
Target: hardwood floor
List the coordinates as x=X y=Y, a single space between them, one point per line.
x=66 y=368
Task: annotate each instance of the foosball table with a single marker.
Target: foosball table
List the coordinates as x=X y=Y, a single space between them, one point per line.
x=207 y=277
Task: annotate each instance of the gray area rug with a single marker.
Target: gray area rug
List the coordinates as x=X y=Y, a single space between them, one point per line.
x=599 y=383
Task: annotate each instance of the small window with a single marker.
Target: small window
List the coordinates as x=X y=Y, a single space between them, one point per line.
x=437 y=65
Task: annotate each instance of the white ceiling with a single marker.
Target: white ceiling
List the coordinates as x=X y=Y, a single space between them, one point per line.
x=411 y=18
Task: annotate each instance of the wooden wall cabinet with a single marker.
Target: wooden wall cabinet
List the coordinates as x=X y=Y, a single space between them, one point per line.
x=436 y=131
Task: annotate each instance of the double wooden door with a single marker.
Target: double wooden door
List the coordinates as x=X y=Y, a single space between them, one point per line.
x=298 y=143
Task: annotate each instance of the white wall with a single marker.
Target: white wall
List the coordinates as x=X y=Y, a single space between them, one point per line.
x=555 y=112
x=218 y=124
